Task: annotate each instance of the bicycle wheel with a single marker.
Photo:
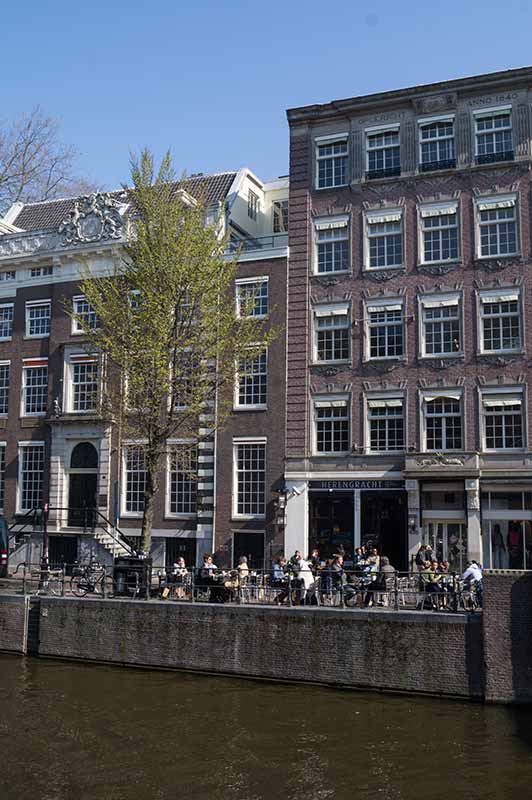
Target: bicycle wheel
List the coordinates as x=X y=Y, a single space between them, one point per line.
x=78 y=586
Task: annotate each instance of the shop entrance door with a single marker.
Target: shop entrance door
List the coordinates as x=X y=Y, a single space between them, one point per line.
x=449 y=542
x=383 y=524
x=180 y=547
x=331 y=523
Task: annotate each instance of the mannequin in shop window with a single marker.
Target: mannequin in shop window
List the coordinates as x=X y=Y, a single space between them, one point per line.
x=515 y=545
x=498 y=550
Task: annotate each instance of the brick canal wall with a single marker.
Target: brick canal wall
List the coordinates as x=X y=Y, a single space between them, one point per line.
x=404 y=651
x=508 y=636
x=14 y=623
x=473 y=656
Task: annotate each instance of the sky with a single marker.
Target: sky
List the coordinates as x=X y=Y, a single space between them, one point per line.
x=212 y=80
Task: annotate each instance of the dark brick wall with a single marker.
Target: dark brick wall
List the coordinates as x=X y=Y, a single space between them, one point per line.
x=13 y=623
x=508 y=636
x=268 y=423
x=469 y=276
x=411 y=652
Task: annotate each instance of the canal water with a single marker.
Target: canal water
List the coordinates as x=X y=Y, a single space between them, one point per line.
x=106 y=733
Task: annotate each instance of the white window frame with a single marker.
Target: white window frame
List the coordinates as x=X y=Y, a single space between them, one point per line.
x=492 y=203
x=429 y=211
x=342 y=400
x=374 y=218
x=341 y=226
x=79 y=298
x=249 y=281
x=72 y=357
x=378 y=305
x=123 y=473
x=40 y=272
x=21 y=446
x=433 y=394
x=426 y=122
x=175 y=443
x=435 y=301
x=506 y=393
x=376 y=130
x=331 y=310
x=12 y=307
x=495 y=111
x=333 y=139
x=248 y=440
x=33 y=304
x=384 y=400
x=278 y=207
x=7 y=275
x=501 y=295
x=7 y=363
x=253 y=204
x=33 y=363
x=237 y=405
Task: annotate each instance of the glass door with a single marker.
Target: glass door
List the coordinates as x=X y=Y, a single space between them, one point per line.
x=449 y=543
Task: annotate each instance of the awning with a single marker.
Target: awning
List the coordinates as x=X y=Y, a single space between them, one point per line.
x=441 y=301
x=330 y=403
x=499 y=297
x=389 y=402
x=444 y=394
x=378 y=217
x=327 y=225
x=501 y=202
x=439 y=210
x=384 y=307
x=332 y=310
x=502 y=400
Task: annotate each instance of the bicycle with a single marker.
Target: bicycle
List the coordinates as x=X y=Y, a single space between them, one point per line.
x=88 y=580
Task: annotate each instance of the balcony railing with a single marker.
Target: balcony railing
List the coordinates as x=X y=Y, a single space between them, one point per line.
x=493 y=158
x=432 y=166
x=273 y=242
x=389 y=172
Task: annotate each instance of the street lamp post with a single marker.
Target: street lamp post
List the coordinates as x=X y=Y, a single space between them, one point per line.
x=45 y=542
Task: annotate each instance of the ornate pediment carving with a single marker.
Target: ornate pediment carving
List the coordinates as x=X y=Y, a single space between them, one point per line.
x=436 y=103
x=93 y=219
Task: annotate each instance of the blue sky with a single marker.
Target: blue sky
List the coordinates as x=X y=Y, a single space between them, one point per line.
x=212 y=80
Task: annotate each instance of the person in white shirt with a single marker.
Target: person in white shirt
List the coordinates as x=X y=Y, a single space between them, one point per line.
x=474 y=573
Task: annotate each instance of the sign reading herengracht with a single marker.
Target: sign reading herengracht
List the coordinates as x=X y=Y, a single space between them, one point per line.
x=357 y=484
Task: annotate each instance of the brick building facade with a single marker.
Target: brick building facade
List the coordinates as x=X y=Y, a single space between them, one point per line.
x=409 y=327
x=55 y=446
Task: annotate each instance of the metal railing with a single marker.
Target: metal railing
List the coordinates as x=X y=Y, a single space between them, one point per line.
x=273 y=242
x=394 y=592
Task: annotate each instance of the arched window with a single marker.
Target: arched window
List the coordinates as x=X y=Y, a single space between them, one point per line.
x=84 y=456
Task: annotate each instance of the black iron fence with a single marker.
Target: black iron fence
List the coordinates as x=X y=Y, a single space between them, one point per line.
x=395 y=592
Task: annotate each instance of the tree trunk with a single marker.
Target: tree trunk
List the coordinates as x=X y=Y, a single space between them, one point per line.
x=152 y=486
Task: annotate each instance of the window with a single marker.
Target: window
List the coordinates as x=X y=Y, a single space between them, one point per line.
x=250 y=479
x=332 y=426
x=497 y=222
x=503 y=421
x=34 y=387
x=386 y=330
x=38 y=317
x=135 y=479
x=84 y=383
x=383 y=153
x=386 y=424
x=385 y=239
x=252 y=297
x=252 y=381
x=2 y=474
x=280 y=216
x=493 y=131
x=253 y=204
x=443 y=422
x=86 y=314
x=6 y=321
x=331 y=328
x=5 y=368
x=184 y=380
x=439 y=229
x=331 y=162
x=332 y=245
x=436 y=142
x=500 y=315
x=441 y=326
x=182 y=479
x=31 y=473
x=8 y=275
x=41 y=272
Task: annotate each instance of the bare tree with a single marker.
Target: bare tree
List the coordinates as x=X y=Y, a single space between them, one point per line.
x=34 y=163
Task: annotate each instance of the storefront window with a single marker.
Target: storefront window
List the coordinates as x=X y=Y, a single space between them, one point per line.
x=449 y=542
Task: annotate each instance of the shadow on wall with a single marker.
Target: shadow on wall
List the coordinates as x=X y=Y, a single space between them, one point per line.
x=474 y=657
x=521 y=639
